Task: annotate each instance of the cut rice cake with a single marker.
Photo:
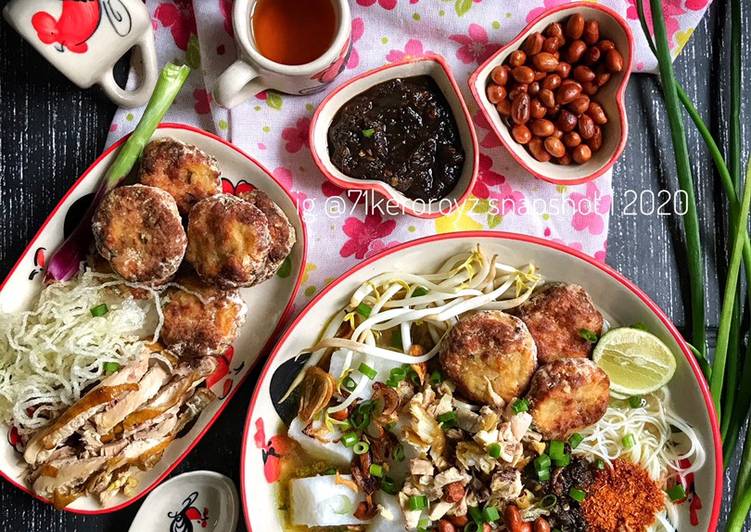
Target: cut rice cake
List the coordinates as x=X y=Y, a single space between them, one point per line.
x=332 y=452
x=320 y=501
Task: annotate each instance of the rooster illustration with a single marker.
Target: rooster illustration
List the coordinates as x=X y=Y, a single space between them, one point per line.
x=77 y=23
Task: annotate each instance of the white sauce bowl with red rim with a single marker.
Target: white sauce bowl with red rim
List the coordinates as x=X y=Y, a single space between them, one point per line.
x=430 y=65
x=610 y=96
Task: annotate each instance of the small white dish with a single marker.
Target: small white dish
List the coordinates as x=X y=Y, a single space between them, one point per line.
x=200 y=500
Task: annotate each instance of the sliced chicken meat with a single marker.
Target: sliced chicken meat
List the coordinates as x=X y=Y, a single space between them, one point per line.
x=44 y=442
x=148 y=386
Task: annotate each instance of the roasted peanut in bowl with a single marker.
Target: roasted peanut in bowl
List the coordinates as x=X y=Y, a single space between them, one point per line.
x=554 y=94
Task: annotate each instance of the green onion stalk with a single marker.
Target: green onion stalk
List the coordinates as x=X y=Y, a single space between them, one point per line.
x=742 y=497
x=736 y=399
x=685 y=178
x=66 y=261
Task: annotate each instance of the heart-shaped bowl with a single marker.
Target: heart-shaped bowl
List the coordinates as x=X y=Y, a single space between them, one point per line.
x=427 y=65
x=610 y=96
x=266 y=445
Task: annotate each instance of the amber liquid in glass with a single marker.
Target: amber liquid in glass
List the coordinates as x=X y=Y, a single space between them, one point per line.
x=293 y=32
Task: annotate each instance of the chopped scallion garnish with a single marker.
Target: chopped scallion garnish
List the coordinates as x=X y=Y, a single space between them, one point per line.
x=420 y=291
x=575 y=439
x=367 y=371
x=490 y=514
x=417 y=502
x=349 y=439
x=588 y=335
x=367 y=133
x=99 y=310
x=110 y=368
x=364 y=310
x=520 y=405
x=376 y=470
x=628 y=441
x=494 y=450
x=577 y=494
x=542 y=462
x=557 y=450
x=635 y=401
x=361 y=447
x=677 y=493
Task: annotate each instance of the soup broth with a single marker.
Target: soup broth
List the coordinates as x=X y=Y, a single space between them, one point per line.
x=291 y=32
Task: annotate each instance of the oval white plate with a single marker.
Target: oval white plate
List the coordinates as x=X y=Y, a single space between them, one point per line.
x=269 y=303
x=619 y=299
x=199 y=500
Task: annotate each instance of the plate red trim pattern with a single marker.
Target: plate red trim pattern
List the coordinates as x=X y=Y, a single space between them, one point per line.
x=378 y=186
x=704 y=389
x=284 y=317
x=619 y=95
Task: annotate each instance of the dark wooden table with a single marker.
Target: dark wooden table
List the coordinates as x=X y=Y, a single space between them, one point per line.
x=50 y=132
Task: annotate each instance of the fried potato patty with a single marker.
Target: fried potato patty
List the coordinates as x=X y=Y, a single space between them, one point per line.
x=281 y=232
x=489 y=353
x=183 y=170
x=555 y=315
x=567 y=395
x=139 y=231
x=228 y=241
x=199 y=319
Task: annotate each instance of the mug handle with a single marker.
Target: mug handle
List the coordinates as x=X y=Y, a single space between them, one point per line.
x=136 y=97
x=236 y=84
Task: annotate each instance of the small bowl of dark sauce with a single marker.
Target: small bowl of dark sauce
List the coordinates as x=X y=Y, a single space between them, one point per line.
x=402 y=130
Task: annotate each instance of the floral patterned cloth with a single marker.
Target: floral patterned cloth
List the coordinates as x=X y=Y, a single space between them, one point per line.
x=273 y=128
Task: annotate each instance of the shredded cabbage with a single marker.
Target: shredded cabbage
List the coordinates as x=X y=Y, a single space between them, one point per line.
x=51 y=353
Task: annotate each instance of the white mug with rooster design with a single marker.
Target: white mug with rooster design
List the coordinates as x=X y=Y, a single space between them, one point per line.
x=253 y=72
x=85 y=38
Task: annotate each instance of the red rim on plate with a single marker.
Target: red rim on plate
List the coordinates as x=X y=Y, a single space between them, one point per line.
x=285 y=313
x=379 y=186
x=619 y=95
x=717 y=498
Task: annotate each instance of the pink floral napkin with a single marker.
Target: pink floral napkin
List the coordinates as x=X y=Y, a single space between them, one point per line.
x=273 y=128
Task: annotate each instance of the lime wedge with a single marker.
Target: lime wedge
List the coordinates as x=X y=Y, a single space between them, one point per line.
x=636 y=361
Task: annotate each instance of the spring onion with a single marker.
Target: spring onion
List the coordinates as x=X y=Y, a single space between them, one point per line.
x=417 y=502
x=562 y=461
x=367 y=133
x=420 y=291
x=494 y=450
x=577 y=494
x=520 y=405
x=376 y=470
x=367 y=371
x=388 y=485
x=436 y=377
x=600 y=464
x=364 y=310
x=349 y=384
x=542 y=462
x=677 y=493
x=490 y=514
x=544 y=475
x=575 y=439
x=628 y=441
x=349 y=439
x=589 y=336
x=65 y=262
x=110 y=368
x=475 y=514
x=361 y=447
x=399 y=453
x=683 y=166
x=99 y=310
x=635 y=401
x=557 y=450
x=548 y=501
